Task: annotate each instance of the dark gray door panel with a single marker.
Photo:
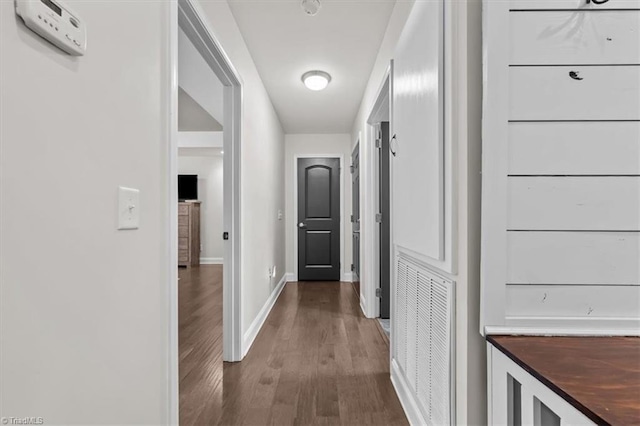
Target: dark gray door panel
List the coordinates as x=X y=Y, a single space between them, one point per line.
x=319 y=219
x=355 y=217
x=385 y=225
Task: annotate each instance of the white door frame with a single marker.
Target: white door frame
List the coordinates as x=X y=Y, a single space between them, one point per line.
x=187 y=15
x=343 y=274
x=370 y=200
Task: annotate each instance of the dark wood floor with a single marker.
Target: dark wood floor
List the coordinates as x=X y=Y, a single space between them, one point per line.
x=200 y=342
x=317 y=360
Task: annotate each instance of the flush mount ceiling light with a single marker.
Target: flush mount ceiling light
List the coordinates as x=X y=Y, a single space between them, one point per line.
x=310 y=7
x=316 y=80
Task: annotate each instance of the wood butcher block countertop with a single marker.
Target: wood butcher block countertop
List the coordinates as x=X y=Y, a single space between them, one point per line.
x=599 y=376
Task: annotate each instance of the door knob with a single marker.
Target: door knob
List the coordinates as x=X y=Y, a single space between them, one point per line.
x=302 y=225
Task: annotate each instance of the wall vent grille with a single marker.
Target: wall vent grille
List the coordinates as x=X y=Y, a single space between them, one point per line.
x=423 y=337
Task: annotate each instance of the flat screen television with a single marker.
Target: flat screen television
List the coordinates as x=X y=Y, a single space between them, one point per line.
x=187 y=187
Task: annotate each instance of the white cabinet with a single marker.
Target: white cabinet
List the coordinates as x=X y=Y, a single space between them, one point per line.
x=517 y=398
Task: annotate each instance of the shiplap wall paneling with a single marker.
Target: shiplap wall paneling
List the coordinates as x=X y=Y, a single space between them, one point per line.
x=574 y=148
x=578 y=258
x=573 y=5
x=592 y=301
x=418 y=167
x=574 y=203
x=593 y=93
x=550 y=37
x=561 y=164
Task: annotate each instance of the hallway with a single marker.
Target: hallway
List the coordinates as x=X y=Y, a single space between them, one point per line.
x=317 y=360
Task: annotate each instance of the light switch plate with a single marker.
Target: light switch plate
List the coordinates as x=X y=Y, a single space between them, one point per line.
x=128 y=208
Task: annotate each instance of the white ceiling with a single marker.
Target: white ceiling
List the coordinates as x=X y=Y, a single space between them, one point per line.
x=342 y=39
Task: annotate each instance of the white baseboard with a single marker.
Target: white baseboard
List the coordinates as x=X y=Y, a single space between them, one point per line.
x=291 y=277
x=559 y=331
x=211 y=261
x=258 y=322
x=347 y=276
x=405 y=396
x=363 y=304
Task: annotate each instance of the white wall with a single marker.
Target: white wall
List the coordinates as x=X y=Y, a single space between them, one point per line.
x=209 y=169
x=197 y=78
x=470 y=364
x=362 y=131
x=262 y=175
x=397 y=20
x=84 y=308
x=200 y=140
x=304 y=144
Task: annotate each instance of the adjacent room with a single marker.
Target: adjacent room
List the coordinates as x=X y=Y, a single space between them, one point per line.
x=200 y=228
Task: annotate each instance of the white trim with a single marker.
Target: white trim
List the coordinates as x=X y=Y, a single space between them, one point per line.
x=295 y=209
x=370 y=197
x=495 y=106
x=291 y=277
x=383 y=94
x=347 y=277
x=258 y=322
x=186 y=14
x=370 y=200
x=211 y=261
x=172 y=396
x=489 y=376
x=558 y=331
x=203 y=37
x=405 y=395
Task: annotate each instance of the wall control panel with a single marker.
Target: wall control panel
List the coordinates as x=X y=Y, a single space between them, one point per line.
x=54 y=21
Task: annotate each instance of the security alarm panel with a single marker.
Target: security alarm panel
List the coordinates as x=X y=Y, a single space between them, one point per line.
x=55 y=22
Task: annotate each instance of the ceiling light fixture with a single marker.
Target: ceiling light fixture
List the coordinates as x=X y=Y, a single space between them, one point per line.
x=316 y=80
x=310 y=7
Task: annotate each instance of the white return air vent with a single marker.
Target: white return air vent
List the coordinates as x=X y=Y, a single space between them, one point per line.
x=423 y=337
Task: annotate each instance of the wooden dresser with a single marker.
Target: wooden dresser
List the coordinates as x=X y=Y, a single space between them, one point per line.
x=189 y=233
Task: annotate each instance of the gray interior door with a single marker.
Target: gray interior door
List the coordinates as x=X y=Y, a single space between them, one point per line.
x=355 y=216
x=385 y=223
x=319 y=219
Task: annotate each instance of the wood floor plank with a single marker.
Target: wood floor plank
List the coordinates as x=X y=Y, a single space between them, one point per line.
x=316 y=361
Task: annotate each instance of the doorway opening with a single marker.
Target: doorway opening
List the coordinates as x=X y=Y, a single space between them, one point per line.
x=380 y=126
x=204 y=223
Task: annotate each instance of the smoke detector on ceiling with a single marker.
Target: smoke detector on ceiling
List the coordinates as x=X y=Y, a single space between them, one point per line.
x=310 y=7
